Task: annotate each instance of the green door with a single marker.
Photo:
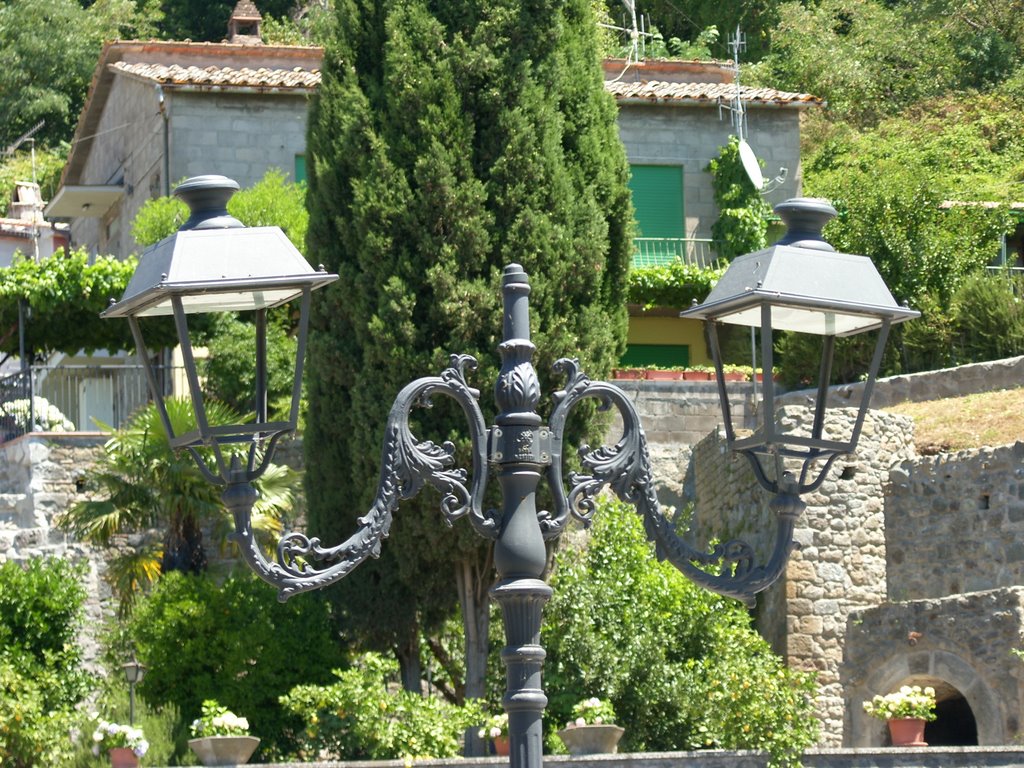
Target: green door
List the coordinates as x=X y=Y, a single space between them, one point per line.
x=658 y=203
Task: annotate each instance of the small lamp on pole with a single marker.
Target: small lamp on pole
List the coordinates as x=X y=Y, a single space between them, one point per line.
x=134 y=671
x=217 y=265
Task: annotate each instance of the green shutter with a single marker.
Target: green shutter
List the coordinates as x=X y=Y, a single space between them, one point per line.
x=658 y=200
x=300 y=168
x=658 y=203
x=660 y=355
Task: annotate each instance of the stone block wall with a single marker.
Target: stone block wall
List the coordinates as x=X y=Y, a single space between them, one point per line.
x=963 y=641
x=840 y=563
x=955 y=523
x=39 y=478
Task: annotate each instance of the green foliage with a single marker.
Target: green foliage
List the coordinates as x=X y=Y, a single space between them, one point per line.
x=681 y=665
x=19 y=167
x=234 y=642
x=742 y=224
x=445 y=142
x=657 y=47
x=988 y=317
x=361 y=717
x=41 y=679
x=673 y=285
x=854 y=53
x=218 y=720
x=65 y=294
x=229 y=370
x=687 y=21
x=273 y=201
x=140 y=485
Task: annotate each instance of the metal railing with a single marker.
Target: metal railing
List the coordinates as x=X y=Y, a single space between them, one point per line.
x=77 y=398
x=662 y=251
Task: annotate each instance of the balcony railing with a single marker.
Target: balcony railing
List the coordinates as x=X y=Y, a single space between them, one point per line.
x=77 y=398
x=662 y=251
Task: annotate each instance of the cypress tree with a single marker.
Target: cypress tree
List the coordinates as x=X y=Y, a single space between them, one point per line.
x=448 y=139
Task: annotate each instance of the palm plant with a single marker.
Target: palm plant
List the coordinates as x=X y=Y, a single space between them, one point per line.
x=143 y=488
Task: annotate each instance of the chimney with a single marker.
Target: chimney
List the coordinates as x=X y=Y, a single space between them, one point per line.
x=244 y=24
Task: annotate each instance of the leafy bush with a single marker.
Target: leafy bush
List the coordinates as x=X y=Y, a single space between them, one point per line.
x=234 y=643
x=231 y=374
x=673 y=285
x=988 y=317
x=66 y=294
x=41 y=678
x=272 y=201
x=361 y=717
x=681 y=666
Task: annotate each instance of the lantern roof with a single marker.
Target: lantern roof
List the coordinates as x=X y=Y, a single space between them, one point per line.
x=810 y=287
x=216 y=264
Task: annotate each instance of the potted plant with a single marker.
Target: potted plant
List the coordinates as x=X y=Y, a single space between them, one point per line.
x=664 y=374
x=592 y=730
x=495 y=730
x=906 y=712
x=123 y=744
x=220 y=737
x=633 y=374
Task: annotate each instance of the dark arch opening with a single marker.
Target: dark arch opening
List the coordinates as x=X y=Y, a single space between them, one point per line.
x=954 y=725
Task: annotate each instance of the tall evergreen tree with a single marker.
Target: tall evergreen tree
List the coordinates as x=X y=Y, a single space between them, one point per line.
x=448 y=139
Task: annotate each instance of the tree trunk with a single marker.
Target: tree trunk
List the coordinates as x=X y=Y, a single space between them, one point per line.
x=473 y=581
x=183 y=546
x=408 y=653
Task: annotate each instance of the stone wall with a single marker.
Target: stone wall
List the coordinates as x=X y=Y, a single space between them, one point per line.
x=40 y=475
x=970 y=379
x=676 y=415
x=959 y=644
x=840 y=563
x=955 y=523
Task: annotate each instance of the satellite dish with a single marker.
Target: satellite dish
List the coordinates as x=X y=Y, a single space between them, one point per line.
x=751 y=166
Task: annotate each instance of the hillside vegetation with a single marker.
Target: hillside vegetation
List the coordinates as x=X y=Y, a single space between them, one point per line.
x=972 y=421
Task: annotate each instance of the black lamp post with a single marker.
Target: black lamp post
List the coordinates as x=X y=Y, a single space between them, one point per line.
x=134 y=671
x=256 y=270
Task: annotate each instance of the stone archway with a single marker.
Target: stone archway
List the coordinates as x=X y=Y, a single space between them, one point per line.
x=967 y=699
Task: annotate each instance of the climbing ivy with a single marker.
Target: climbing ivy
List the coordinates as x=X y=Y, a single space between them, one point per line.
x=742 y=224
x=64 y=295
x=671 y=285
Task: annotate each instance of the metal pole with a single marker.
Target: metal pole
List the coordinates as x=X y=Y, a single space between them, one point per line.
x=131 y=703
x=518 y=449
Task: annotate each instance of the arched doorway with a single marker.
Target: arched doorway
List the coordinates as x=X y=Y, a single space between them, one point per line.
x=954 y=725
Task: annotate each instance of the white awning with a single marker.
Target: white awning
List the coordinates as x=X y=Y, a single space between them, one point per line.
x=83 y=201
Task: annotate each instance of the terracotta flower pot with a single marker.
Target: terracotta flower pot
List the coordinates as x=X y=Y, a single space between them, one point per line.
x=591 y=739
x=224 y=750
x=500 y=745
x=123 y=757
x=628 y=373
x=656 y=375
x=907 y=732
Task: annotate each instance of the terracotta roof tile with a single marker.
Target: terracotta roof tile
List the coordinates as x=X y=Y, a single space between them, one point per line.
x=658 y=91
x=223 y=77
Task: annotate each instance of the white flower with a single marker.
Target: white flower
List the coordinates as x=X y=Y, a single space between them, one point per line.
x=495 y=732
x=598 y=720
x=581 y=721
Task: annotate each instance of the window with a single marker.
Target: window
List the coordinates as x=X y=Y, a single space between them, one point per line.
x=658 y=204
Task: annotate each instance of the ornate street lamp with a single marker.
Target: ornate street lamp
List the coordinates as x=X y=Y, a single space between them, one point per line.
x=134 y=671
x=803 y=285
x=519 y=447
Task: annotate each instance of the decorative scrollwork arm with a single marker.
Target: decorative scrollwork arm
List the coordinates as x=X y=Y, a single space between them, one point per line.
x=406 y=466
x=625 y=468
